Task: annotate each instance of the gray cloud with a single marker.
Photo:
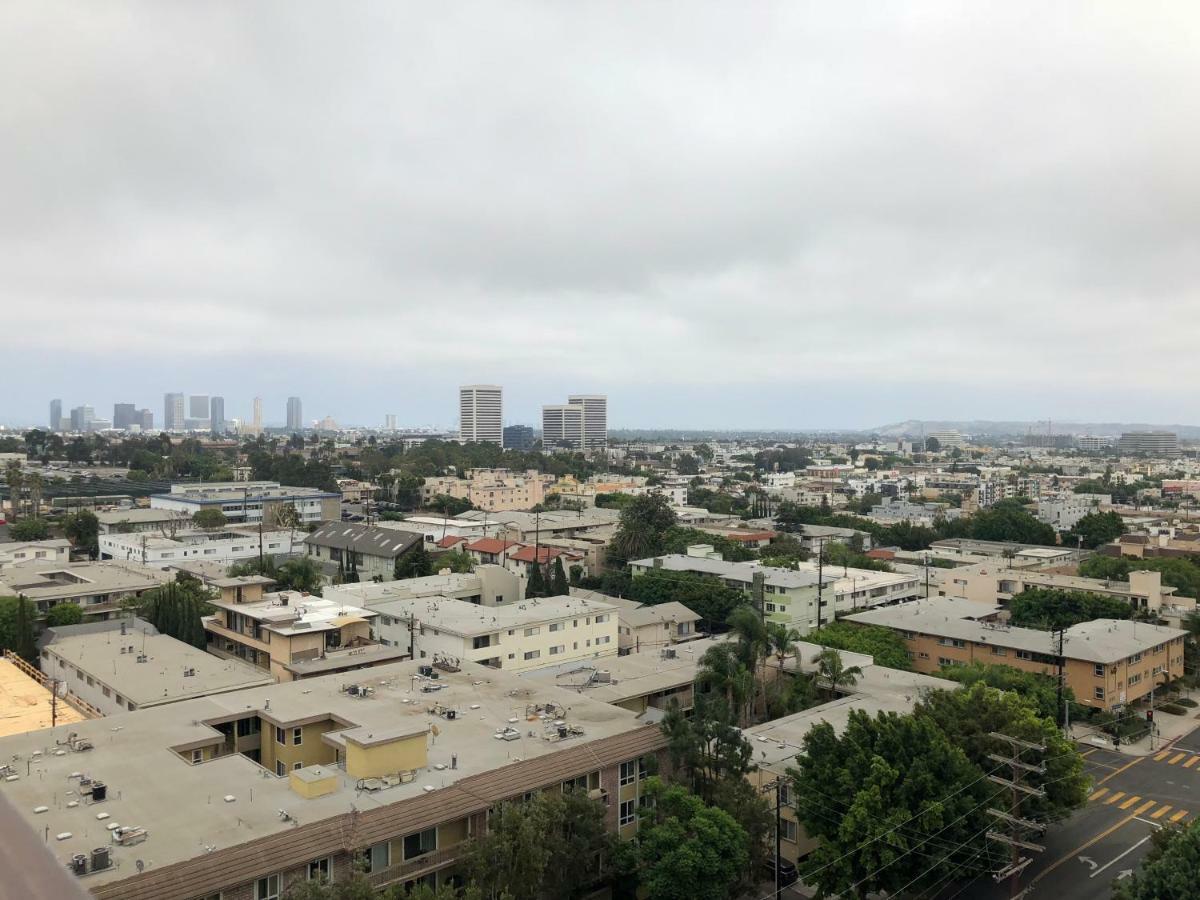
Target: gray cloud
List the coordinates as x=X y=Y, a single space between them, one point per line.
x=793 y=215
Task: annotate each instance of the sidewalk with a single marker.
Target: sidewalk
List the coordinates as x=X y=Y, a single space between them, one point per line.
x=1167 y=729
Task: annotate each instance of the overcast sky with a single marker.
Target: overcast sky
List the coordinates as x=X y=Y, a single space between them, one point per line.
x=768 y=215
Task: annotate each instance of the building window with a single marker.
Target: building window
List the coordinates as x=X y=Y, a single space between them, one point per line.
x=1135 y=679
x=789 y=830
x=280 y=768
x=627 y=813
x=530 y=632
x=297 y=736
x=999 y=651
x=1098 y=693
x=628 y=773
x=267 y=888
x=532 y=654
x=421 y=843
x=197 y=756
x=280 y=735
x=297 y=765
x=556 y=626
x=1099 y=670
x=1024 y=654
x=602 y=618
x=554 y=651
x=321 y=869
x=375 y=858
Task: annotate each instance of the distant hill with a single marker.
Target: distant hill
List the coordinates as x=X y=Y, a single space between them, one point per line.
x=987 y=428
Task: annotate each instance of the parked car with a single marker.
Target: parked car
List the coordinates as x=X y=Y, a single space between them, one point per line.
x=787 y=871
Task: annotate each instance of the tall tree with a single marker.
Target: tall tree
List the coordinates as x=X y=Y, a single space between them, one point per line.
x=413 y=563
x=535 y=584
x=833 y=673
x=83 y=530
x=641 y=529
x=1169 y=870
x=558 y=583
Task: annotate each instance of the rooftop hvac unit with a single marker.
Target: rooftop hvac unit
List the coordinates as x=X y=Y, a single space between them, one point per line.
x=425 y=670
x=451 y=714
x=100 y=859
x=79 y=863
x=604 y=676
x=668 y=653
x=352 y=690
x=99 y=791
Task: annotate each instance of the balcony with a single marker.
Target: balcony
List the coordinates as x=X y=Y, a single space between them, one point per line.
x=414 y=868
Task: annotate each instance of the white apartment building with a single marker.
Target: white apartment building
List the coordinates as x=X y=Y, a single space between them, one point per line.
x=1065 y=511
x=51 y=551
x=517 y=637
x=224 y=547
x=481 y=414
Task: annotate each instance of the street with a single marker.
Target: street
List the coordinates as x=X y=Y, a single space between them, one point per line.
x=1108 y=838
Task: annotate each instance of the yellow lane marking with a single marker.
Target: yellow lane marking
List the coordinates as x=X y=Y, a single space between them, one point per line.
x=1128 y=803
x=1128 y=765
x=1099 y=793
x=1145 y=806
x=1179 y=815
x=1175 y=759
x=1160 y=812
x=1113 y=798
x=1161 y=756
x=1089 y=752
x=1191 y=762
x=1101 y=836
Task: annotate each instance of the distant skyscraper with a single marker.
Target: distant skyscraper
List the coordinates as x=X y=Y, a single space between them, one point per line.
x=1155 y=443
x=55 y=415
x=481 y=414
x=257 y=420
x=389 y=422
x=595 y=419
x=146 y=418
x=81 y=418
x=562 y=426
x=217 y=414
x=198 y=406
x=295 y=415
x=173 y=412
x=518 y=437
x=124 y=415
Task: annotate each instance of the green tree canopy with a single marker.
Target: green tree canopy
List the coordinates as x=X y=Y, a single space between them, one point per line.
x=1050 y=608
x=1169 y=870
x=415 y=562
x=83 y=530
x=884 y=645
x=29 y=530
x=64 y=614
x=17 y=627
x=641 y=531
x=210 y=518
x=1095 y=529
x=1040 y=691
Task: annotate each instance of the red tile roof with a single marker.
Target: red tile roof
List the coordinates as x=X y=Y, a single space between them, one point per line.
x=881 y=554
x=544 y=554
x=490 y=545
x=748 y=536
x=449 y=541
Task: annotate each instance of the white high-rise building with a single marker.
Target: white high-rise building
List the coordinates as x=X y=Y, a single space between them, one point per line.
x=173 y=417
x=562 y=426
x=257 y=421
x=595 y=419
x=389 y=422
x=480 y=414
x=295 y=415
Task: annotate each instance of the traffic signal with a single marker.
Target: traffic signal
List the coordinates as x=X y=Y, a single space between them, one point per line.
x=1149 y=715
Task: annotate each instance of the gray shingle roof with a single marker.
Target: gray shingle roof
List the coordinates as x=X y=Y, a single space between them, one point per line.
x=365 y=539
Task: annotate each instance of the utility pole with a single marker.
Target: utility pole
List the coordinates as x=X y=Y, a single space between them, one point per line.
x=820 y=542
x=1017 y=827
x=1061 y=671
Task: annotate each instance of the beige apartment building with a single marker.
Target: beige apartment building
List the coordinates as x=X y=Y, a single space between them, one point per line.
x=491 y=489
x=245 y=795
x=1108 y=663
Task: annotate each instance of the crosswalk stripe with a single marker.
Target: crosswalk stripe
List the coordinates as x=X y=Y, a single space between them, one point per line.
x=1098 y=794
x=1114 y=798
x=1159 y=757
x=1128 y=803
x=1191 y=762
x=1175 y=759
x=1160 y=812
x=1145 y=806
x=1179 y=815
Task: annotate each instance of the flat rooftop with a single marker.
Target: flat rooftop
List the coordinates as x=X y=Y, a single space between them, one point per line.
x=738 y=571
x=183 y=807
x=1101 y=640
x=291 y=612
x=370 y=592
x=49 y=580
x=101 y=651
x=25 y=705
x=468 y=619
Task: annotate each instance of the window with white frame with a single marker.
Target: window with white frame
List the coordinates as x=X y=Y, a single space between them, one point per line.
x=627 y=813
x=268 y=888
x=321 y=869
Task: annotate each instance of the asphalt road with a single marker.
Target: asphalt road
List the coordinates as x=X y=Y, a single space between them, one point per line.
x=1108 y=838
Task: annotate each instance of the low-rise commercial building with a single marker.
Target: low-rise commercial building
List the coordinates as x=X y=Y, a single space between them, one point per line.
x=1107 y=663
x=526 y=635
x=120 y=665
x=132 y=521
x=248 y=794
x=251 y=502
x=224 y=547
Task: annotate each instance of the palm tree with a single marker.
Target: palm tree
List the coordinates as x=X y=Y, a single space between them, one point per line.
x=12 y=475
x=782 y=641
x=833 y=672
x=721 y=671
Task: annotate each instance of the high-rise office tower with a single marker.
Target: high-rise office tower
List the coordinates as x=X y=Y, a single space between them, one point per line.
x=216 y=414
x=389 y=422
x=480 y=414
x=257 y=420
x=55 y=415
x=146 y=418
x=295 y=416
x=562 y=426
x=595 y=419
x=198 y=406
x=81 y=418
x=124 y=415
x=173 y=412
x=518 y=437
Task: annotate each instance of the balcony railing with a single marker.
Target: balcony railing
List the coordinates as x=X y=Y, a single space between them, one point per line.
x=414 y=867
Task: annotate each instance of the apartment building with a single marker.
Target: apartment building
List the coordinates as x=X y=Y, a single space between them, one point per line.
x=128 y=521
x=224 y=547
x=126 y=664
x=370 y=551
x=56 y=550
x=1108 y=663
x=521 y=560
x=491 y=489
x=515 y=637
x=1063 y=511
x=643 y=627
x=250 y=794
x=488 y=585
x=434 y=528
x=98 y=588
x=293 y=635
x=481 y=414
x=251 y=502
x=790 y=596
